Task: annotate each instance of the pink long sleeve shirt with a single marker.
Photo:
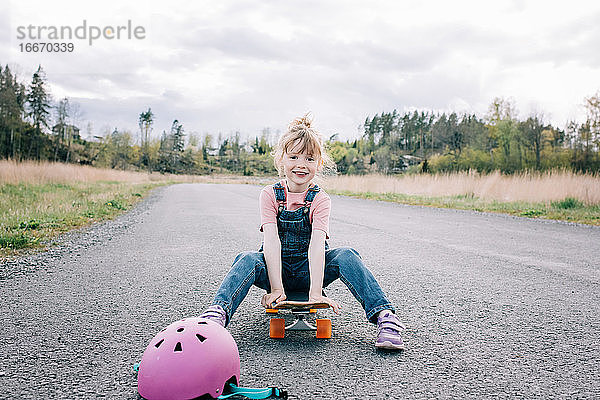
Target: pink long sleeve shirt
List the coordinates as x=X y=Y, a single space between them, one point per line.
x=320 y=208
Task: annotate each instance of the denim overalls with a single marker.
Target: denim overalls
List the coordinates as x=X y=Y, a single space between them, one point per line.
x=295 y=230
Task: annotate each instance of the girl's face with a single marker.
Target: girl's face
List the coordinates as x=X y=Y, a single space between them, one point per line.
x=299 y=168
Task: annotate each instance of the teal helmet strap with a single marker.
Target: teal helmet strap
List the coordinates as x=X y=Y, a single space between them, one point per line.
x=253 y=393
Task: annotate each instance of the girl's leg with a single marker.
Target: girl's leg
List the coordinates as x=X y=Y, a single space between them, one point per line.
x=248 y=269
x=345 y=263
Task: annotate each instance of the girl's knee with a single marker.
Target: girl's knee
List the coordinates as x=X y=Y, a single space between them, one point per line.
x=248 y=258
x=344 y=255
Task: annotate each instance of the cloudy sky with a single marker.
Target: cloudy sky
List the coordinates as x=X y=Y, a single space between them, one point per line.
x=226 y=66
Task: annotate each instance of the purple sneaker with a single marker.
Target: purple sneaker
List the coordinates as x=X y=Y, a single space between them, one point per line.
x=217 y=314
x=389 y=328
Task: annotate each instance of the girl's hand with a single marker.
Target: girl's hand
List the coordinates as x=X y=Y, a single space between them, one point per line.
x=323 y=299
x=276 y=296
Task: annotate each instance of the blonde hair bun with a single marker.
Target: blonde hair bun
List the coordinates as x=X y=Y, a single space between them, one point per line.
x=302 y=122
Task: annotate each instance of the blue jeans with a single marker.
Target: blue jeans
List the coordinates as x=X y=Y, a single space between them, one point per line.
x=249 y=268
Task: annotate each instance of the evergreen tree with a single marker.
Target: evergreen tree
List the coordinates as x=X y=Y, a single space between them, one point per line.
x=178 y=137
x=12 y=109
x=457 y=137
x=38 y=100
x=145 y=122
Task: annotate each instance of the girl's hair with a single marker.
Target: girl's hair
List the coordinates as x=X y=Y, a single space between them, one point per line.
x=300 y=131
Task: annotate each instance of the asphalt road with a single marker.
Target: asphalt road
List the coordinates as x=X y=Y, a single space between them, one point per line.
x=496 y=306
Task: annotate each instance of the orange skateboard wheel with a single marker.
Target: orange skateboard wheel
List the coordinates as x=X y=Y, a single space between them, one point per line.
x=323 y=328
x=277 y=328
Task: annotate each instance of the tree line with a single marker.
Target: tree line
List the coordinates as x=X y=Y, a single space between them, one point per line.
x=497 y=141
x=179 y=152
x=34 y=126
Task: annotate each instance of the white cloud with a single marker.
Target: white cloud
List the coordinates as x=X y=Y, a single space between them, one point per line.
x=243 y=65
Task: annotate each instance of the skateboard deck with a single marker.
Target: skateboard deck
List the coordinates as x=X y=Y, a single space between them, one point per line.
x=299 y=305
x=300 y=308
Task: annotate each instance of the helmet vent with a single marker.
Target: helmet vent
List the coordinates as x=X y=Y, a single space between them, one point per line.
x=180 y=330
x=157 y=345
x=200 y=337
x=178 y=347
x=202 y=323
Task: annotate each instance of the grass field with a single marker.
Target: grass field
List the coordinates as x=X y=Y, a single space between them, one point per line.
x=555 y=195
x=31 y=214
x=38 y=201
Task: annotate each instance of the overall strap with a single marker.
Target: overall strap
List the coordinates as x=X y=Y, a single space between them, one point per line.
x=310 y=196
x=279 y=196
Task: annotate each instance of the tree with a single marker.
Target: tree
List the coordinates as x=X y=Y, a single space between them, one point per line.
x=261 y=145
x=474 y=132
x=145 y=122
x=387 y=125
x=506 y=133
x=172 y=146
x=72 y=132
x=383 y=159
x=119 y=149
x=441 y=131
x=500 y=117
x=592 y=106
x=556 y=137
x=532 y=130
x=448 y=134
x=193 y=141
x=178 y=136
x=38 y=100
x=501 y=109
x=62 y=115
x=12 y=107
x=457 y=137
x=371 y=127
x=206 y=146
x=581 y=154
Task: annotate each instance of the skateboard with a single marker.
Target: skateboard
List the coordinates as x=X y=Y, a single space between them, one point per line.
x=299 y=306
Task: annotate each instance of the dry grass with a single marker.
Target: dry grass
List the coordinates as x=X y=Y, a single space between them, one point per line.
x=40 y=200
x=527 y=187
x=33 y=172
x=37 y=173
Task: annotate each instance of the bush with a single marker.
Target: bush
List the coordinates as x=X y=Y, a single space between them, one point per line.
x=29 y=225
x=16 y=241
x=567 y=204
x=441 y=163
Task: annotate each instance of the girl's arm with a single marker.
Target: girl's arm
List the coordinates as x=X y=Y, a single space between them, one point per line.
x=272 y=253
x=316 y=262
x=316 y=266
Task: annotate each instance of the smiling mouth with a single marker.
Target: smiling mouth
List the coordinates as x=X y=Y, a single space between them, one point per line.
x=300 y=173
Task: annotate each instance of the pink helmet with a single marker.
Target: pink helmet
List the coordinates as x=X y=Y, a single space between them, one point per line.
x=188 y=359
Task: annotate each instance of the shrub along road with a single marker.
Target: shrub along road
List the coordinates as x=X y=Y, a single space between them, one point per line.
x=495 y=306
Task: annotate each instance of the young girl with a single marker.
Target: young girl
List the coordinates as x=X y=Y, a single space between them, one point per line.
x=295 y=256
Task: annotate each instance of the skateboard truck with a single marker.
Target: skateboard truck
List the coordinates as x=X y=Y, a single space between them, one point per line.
x=300 y=308
x=300 y=324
